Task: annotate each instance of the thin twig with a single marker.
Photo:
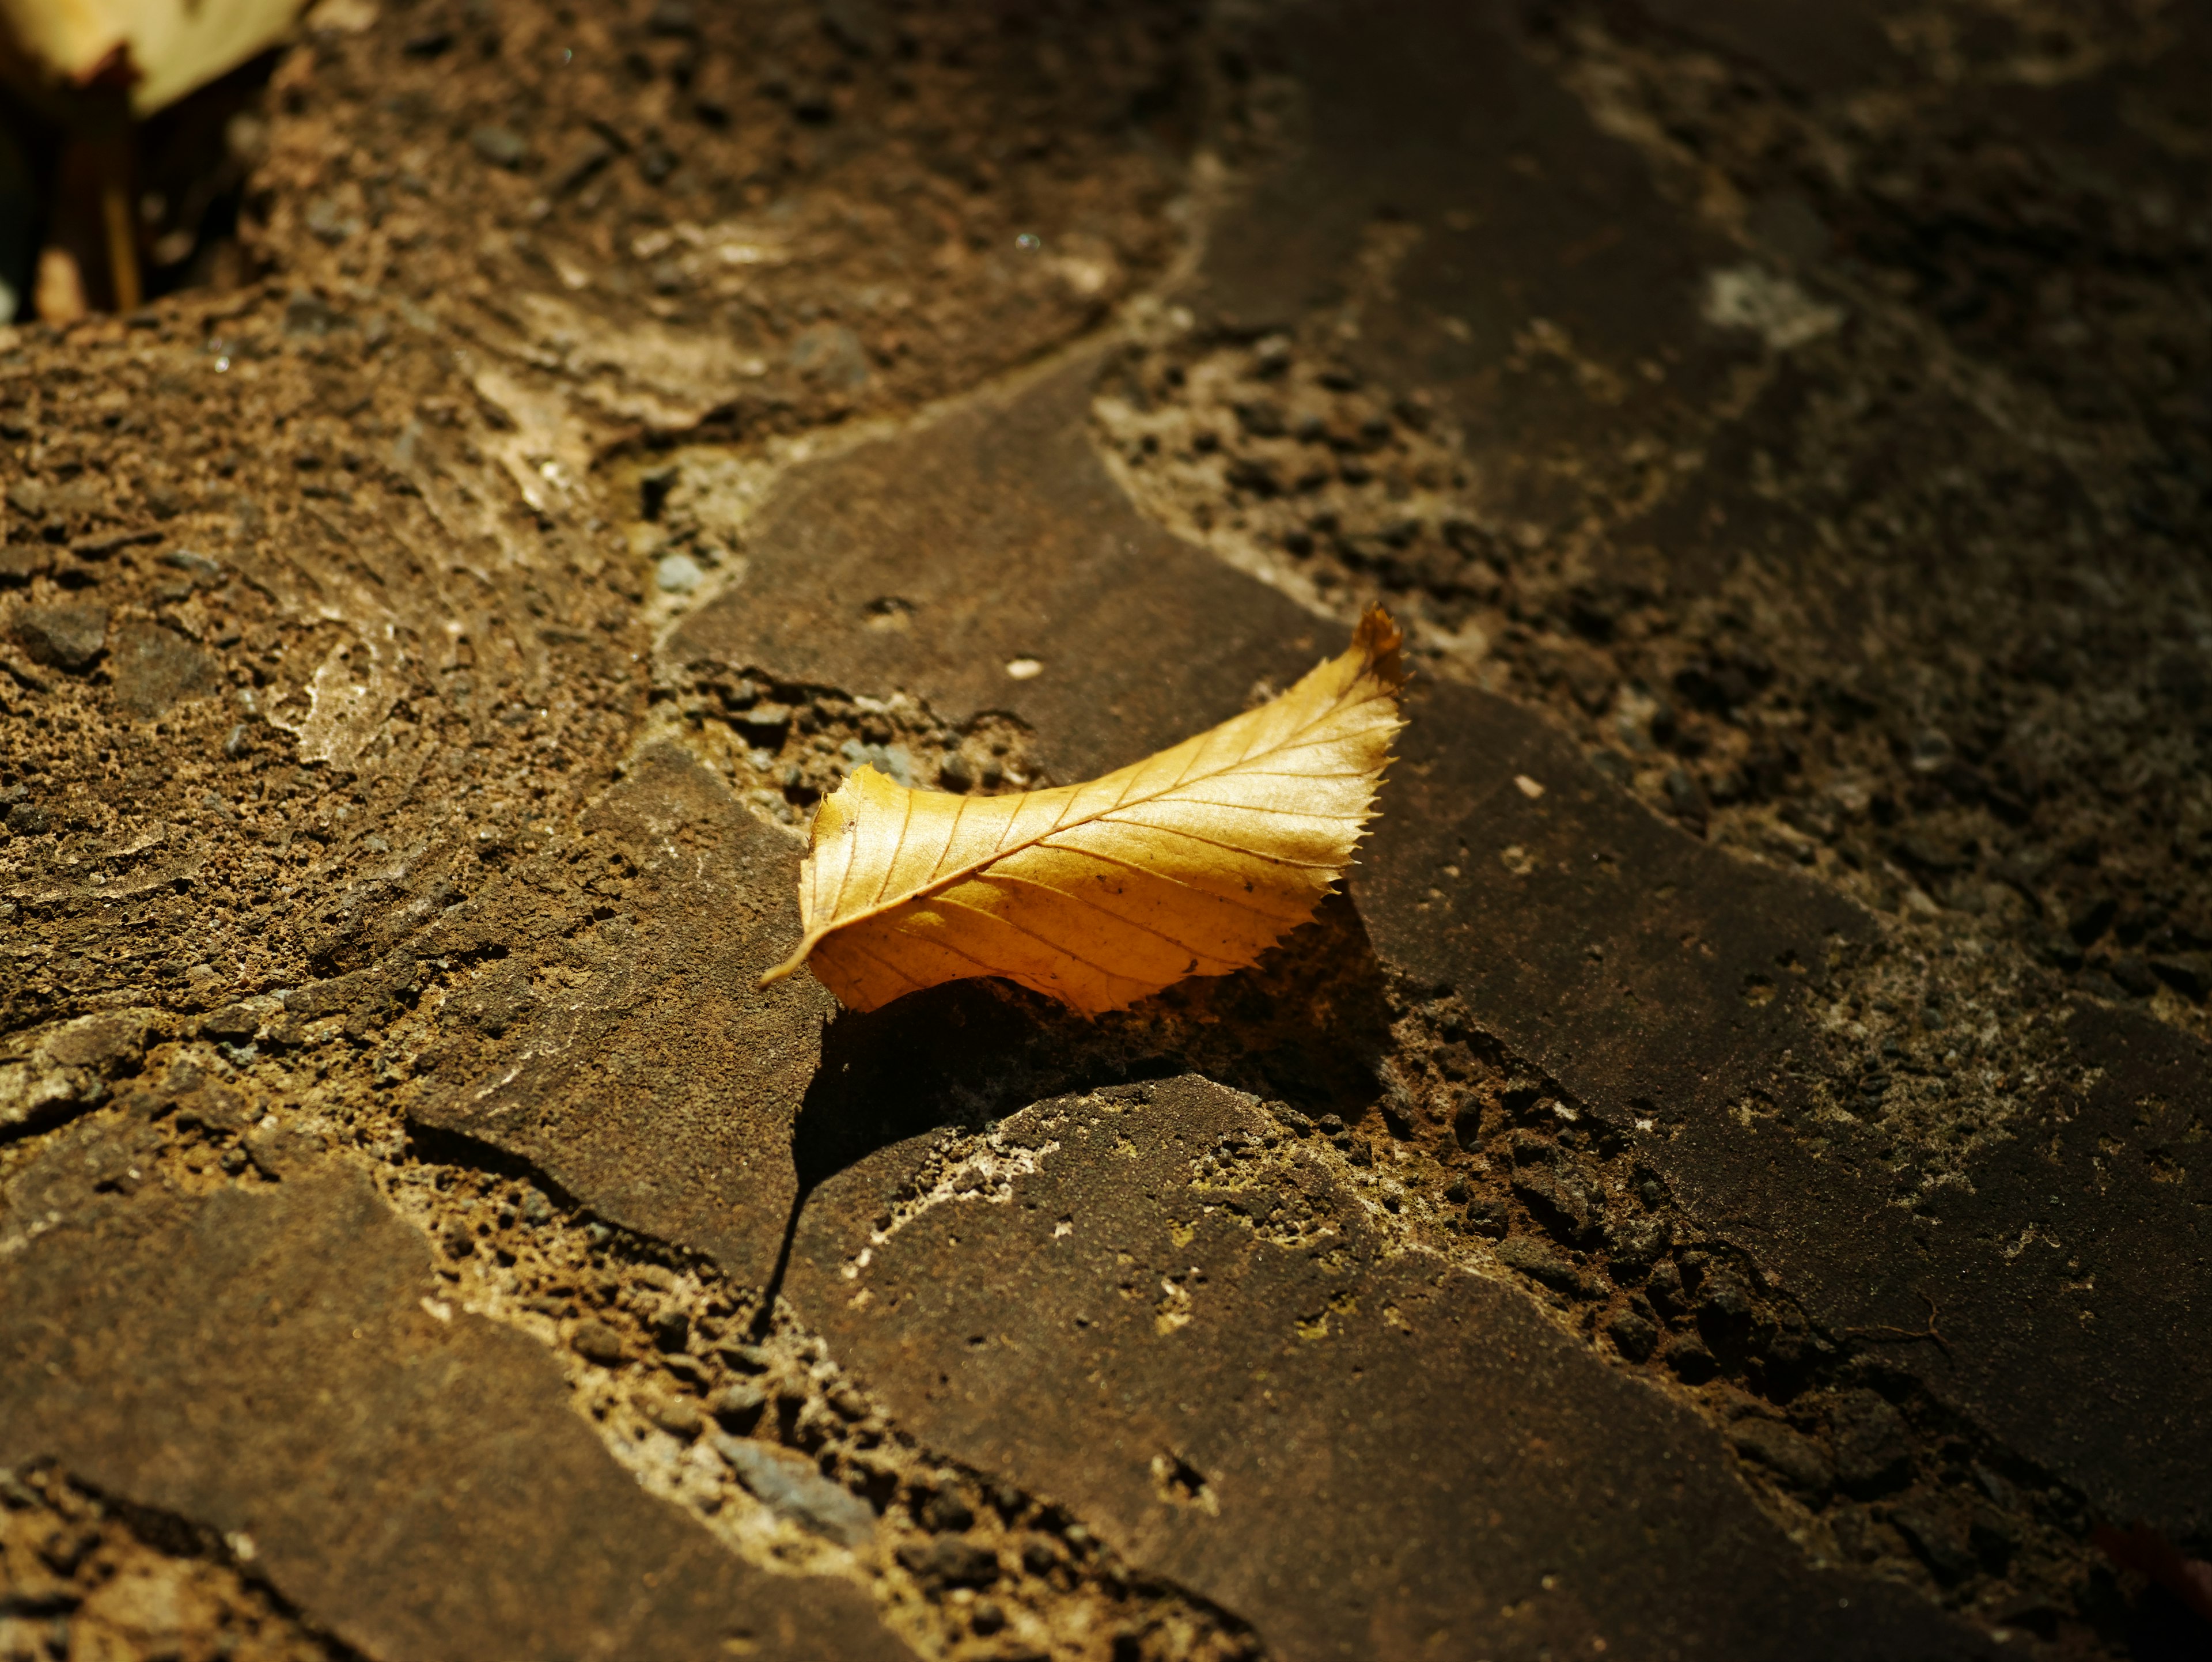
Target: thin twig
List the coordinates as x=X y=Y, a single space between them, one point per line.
x=1928 y=1332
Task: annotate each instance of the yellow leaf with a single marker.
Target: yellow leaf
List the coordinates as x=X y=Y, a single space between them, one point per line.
x=1193 y=861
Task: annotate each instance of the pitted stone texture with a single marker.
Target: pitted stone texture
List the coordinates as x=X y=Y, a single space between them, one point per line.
x=620 y=1045
x=1364 y=1455
x=1498 y=248
x=1002 y=537
x=413 y=1485
x=2066 y=1275
x=1627 y=953
x=1643 y=967
x=1819 y=50
x=1654 y=975
x=156 y=669
x=1658 y=979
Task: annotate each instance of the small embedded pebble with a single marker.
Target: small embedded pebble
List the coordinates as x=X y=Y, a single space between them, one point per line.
x=678 y=573
x=738 y=1404
x=1540 y=1264
x=1684 y=796
x=1632 y=1336
x=66 y=637
x=678 y=1416
x=502 y=147
x=1690 y=1360
x=2135 y=977
x=949 y=1560
x=1792 y=1456
x=1873 y=1443
x=792 y=1486
x=1488 y=1218
x=21 y=561
x=945 y=1512
x=595 y=1341
x=688 y=1369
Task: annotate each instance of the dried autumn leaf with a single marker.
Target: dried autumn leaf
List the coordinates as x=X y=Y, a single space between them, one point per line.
x=1190 y=862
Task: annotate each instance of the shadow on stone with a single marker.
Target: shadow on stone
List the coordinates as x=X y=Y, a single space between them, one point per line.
x=971 y=1052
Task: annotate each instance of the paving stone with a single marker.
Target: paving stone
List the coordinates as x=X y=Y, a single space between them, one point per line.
x=1654 y=976
x=1647 y=972
x=266 y=1363
x=2063 y=1276
x=1639 y=967
x=1032 y=552
x=660 y=1088
x=1220 y=1399
x=1562 y=239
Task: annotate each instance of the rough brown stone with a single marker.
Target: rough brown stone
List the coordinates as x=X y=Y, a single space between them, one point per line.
x=1237 y=1405
x=1556 y=227
x=660 y=1092
x=1660 y=980
x=1796 y=412
x=405 y=1473
x=1034 y=552
x=157 y=668
x=69 y=635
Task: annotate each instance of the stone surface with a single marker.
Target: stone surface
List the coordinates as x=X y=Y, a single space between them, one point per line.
x=1508 y=284
x=628 y=1056
x=1643 y=968
x=156 y=669
x=405 y=1475
x=67 y=636
x=1239 y=1404
x=2061 y=1276
x=1783 y=431
x=1651 y=977
x=48 y=1074
x=1660 y=980
x=1033 y=552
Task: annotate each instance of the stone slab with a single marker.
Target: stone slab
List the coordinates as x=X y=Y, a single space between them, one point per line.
x=1659 y=979
x=1548 y=291
x=410 y=1479
x=619 y=1045
x=1002 y=536
x=1646 y=968
x=1654 y=976
x=2072 y=1275
x=1366 y=1454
